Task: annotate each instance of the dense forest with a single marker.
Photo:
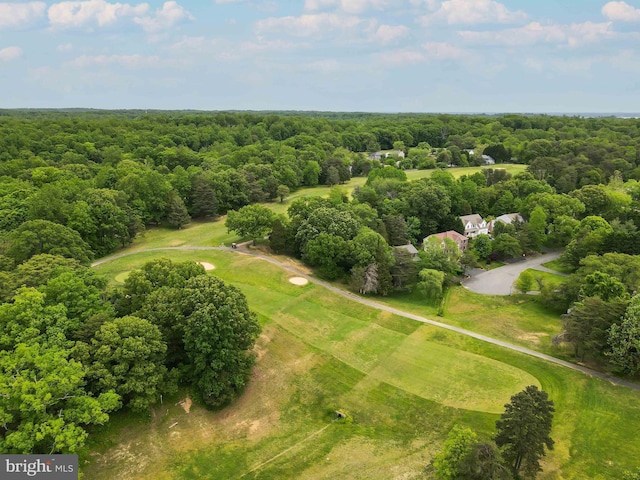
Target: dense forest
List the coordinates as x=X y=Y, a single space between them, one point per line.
x=78 y=185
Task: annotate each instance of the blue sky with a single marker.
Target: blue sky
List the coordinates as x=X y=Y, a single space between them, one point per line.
x=340 y=55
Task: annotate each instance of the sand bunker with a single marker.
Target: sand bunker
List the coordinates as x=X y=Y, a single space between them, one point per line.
x=207 y=266
x=298 y=280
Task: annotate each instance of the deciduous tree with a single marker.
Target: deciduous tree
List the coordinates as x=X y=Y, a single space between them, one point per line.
x=129 y=357
x=252 y=221
x=624 y=339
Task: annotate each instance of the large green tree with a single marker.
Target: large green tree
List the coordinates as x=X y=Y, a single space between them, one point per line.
x=177 y=214
x=588 y=322
x=43 y=405
x=252 y=221
x=219 y=335
x=458 y=445
x=41 y=236
x=129 y=357
x=624 y=339
x=524 y=429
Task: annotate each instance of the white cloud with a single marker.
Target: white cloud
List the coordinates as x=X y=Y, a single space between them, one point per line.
x=194 y=49
x=621 y=11
x=472 y=12
x=573 y=35
x=92 y=12
x=348 y=6
x=65 y=47
x=135 y=61
x=308 y=25
x=430 y=51
x=14 y=15
x=388 y=33
x=327 y=66
x=533 y=64
x=443 y=51
x=10 y=53
x=272 y=45
x=166 y=17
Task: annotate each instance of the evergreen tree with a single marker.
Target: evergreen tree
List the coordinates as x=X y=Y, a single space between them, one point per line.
x=523 y=431
x=177 y=214
x=203 y=199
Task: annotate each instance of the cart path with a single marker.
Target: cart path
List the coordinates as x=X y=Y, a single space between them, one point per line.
x=379 y=306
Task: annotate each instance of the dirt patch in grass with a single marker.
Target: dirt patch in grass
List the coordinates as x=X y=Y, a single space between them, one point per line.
x=208 y=266
x=298 y=281
x=186 y=404
x=532 y=337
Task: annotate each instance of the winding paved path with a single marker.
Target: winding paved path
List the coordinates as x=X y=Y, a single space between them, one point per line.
x=500 y=281
x=370 y=303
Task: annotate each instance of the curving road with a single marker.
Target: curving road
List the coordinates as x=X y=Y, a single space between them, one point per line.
x=379 y=306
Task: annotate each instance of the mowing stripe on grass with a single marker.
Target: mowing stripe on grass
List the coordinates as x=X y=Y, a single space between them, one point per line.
x=370 y=303
x=257 y=467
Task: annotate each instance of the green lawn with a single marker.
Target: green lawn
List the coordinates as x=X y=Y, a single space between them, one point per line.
x=545 y=278
x=403 y=383
x=558 y=266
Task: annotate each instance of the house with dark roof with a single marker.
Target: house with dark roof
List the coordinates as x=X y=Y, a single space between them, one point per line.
x=408 y=248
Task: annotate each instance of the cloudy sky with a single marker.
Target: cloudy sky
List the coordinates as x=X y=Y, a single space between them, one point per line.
x=340 y=55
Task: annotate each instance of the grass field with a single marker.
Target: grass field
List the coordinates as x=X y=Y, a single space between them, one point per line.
x=404 y=384
x=545 y=278
x=558 y=266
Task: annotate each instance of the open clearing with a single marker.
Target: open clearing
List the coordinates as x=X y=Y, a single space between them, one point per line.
x=404 y=383
x=121 y=277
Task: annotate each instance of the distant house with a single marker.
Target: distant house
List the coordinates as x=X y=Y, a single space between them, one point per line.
x=488 y=160
x=408 y=248
x=386 y=154
x=459 y=239
x=474 y=225
x=507 y=219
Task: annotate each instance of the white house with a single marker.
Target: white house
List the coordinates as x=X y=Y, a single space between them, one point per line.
x=474 y=225
x=379 y=155
x=507 y=219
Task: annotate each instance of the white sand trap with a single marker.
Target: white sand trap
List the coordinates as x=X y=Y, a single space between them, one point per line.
x=298 y=280
x=207 y=266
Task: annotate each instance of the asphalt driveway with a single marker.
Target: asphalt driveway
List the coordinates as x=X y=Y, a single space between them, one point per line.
x=500 y=280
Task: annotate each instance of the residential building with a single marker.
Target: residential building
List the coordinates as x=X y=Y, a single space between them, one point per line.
x=409 y=248
x=507 y=219
x=474 y=225
x=460 y=240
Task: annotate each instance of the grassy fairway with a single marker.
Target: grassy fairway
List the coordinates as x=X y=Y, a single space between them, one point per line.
x=403 y=383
